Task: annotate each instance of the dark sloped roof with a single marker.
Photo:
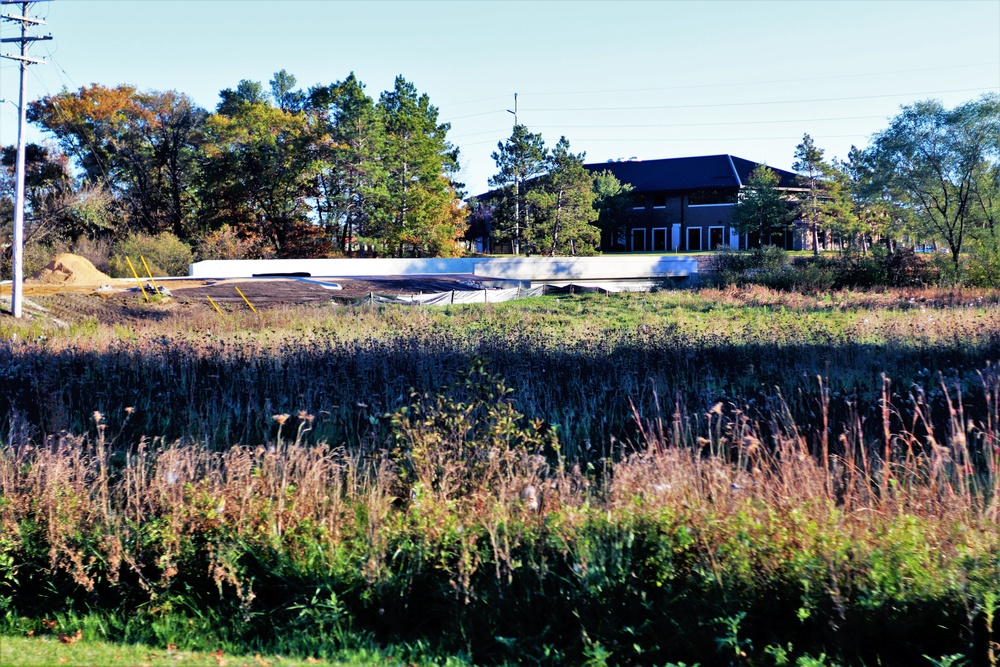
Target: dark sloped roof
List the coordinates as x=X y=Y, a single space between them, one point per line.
x=687 y=173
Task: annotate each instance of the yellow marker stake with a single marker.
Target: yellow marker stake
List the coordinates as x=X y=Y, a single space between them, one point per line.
x=213 y=304
x=149 y=273
x=144 y=295
x=245 y=299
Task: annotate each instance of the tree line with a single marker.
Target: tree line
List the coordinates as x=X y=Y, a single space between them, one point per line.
x=932 y=177
x=545 y=201
x=282 y=171
x=278 y=172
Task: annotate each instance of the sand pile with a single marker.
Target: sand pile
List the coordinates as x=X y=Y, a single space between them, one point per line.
x=69 y=269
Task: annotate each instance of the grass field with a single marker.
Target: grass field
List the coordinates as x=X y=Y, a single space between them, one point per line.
x=725 y=477
x=46 y=651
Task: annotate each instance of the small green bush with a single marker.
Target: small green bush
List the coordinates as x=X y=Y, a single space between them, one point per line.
x=983 y=265
x=768 y=266
x=166 y=255
x=741 y=267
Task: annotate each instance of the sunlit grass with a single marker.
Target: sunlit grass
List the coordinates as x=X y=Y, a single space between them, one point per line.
x=644 y=477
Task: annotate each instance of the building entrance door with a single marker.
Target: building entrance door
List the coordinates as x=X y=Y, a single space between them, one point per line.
x=693 y=239
x=659 y=240
x=638 y=240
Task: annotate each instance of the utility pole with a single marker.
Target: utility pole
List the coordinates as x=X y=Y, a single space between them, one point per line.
x=17 y=260
x=517 y=194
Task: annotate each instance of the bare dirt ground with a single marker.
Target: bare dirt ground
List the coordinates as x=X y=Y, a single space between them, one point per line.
x=123 y=301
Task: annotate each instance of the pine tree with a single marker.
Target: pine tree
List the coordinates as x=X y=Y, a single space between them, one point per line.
x=351 y=179
x=561 y=206
x=521 y=158
x=809 y=163
x=420 y=211
x=762 y=207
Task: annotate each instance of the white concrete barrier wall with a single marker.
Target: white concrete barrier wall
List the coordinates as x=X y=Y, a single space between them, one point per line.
x=334 y=268
x=587 y=268
x=520 y=268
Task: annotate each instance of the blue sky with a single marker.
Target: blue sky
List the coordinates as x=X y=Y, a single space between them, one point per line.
x=619 y=79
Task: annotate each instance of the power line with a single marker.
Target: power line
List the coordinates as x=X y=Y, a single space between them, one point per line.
x=713 y=124
x=765 y=82
x=728 y=104
x=761 y=103
x=579 y=140
x=701 y=86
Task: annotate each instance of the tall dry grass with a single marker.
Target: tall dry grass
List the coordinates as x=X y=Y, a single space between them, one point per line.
x=720 y=532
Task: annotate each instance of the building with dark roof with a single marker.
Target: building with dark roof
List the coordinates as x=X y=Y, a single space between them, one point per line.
x=684 y=204
x=679 y=205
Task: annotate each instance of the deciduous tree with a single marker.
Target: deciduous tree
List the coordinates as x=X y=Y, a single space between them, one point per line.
x=932 y=156
x=142 y=146
x=258 y=174
x=613 y=201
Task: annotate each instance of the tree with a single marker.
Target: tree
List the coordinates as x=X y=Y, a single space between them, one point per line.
x=809 y=163
x=838 y=210
x=761 y=207
x=613 y=202
x=258 y=173
x=283 y=91
x=521 y=158
x=142 y=146
x=931 y=156
x=349 y=142
x=49 y=190
x=877 y=202
x=562 y=206
x=420 y=209
x=247 y=93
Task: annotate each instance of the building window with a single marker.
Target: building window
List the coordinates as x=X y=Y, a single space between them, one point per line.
x=660 y=200
x=713 y=196
x=638 y=202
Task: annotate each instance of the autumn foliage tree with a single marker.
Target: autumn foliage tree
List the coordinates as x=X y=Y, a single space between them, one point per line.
x=278 y=171
x=142 y=146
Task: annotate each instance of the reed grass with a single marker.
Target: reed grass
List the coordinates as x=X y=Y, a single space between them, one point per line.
x=483 y=483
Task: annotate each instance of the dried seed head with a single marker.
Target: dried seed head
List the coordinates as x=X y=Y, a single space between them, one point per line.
x=281 y=419
x=98 y=417
x=129 y=410
x=530 y=497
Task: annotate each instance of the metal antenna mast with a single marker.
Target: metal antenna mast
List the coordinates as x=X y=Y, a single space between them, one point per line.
x=17 y=260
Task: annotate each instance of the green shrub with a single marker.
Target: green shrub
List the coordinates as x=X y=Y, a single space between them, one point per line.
x=741 y=267
x=983 y=265
x=166 y=255
x=767 y=267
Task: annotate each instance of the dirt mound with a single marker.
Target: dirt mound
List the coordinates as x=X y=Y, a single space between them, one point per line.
x=71 y=269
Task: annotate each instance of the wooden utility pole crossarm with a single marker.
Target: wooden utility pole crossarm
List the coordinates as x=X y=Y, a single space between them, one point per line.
x=17 y=260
